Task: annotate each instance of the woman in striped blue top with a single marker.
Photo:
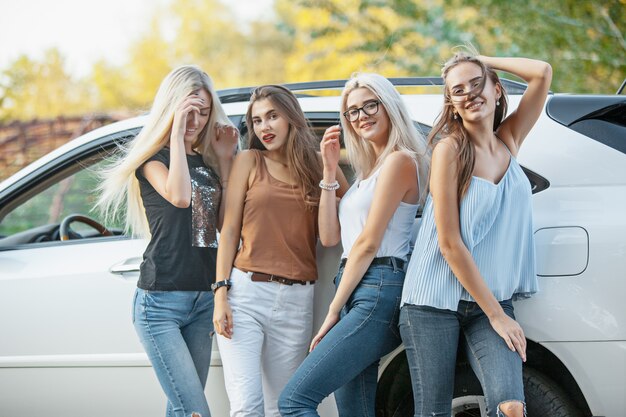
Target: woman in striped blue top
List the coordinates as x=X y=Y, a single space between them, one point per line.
x=474 y=252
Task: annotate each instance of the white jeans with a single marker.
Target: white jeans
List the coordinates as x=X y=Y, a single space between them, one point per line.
x=272 y=329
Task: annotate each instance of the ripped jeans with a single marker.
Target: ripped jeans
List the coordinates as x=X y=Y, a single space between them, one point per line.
x=431 y=337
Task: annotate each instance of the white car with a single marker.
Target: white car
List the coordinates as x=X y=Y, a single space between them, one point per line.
x=68 y=347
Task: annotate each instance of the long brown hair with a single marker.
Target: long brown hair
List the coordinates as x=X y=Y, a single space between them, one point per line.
x=302 y=144
x=446 y=124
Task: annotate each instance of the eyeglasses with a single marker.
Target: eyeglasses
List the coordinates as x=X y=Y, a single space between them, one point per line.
x=369 y=109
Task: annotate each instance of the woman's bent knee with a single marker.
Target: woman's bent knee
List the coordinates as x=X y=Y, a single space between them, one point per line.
x=511 y=409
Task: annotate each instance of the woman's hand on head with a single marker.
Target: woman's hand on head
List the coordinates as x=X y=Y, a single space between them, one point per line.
x=190 y=104
x=225 y=141
x=511 y=332
x=330 y=147
x=223 y=317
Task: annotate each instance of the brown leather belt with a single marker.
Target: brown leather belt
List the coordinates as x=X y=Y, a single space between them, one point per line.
x=261 y=277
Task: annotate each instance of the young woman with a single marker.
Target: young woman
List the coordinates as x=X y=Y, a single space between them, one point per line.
x=474 y=251
x=170 y=179
x=373 y=222
x=264 y=296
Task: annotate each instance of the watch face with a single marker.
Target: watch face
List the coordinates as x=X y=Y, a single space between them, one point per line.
x=216 y=285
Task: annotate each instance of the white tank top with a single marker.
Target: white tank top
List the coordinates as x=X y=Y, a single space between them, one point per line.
x=354 y=208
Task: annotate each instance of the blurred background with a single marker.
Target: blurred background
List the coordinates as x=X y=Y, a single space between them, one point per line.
x=69 y=66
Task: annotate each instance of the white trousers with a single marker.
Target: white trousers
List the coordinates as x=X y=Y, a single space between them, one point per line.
x=272 y=329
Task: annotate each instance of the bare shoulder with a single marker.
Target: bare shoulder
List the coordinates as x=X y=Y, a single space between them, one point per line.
x=399 y=165
x=398 y=160
x=446 y=149
x=246 y=158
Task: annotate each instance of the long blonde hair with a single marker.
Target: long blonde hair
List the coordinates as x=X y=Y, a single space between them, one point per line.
x=403 y=135
x=119 y=184
x=302 y=144
x=447 y=125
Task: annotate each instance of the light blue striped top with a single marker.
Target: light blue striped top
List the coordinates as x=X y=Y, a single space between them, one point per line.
x=496 y=226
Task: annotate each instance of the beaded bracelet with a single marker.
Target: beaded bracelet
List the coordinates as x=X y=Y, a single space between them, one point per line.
x=333 y=186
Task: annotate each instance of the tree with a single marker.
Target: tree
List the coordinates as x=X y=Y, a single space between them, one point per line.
x=201 y=32
x=584 y=41
x=208 y=33
x=333 y=38
x=41 y=89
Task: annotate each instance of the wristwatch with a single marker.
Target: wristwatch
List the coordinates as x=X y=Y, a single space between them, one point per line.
x=225 y=283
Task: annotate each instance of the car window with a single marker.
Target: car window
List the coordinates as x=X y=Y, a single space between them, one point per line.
x=72 y=192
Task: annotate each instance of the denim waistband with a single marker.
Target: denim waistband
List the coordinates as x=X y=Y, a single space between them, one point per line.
x=397 y=263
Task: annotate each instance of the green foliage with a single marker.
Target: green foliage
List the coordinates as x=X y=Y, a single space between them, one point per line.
x=200 y=32
x=334 y=38
x=73 y=195
x=41 y=88
x=321 y=39
x=583 y=40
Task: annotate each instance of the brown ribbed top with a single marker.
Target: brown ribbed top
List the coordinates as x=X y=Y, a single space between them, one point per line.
x=279 y=234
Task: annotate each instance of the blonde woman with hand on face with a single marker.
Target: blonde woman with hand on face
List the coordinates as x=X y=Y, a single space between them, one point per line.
x=171 y=178
x=474 y=252
x=373 y=222
x=264 y=299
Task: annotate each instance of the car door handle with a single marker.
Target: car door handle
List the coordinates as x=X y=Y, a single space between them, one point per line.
x=126 y=266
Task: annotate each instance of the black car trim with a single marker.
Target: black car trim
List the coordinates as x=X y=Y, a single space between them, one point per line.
x=601 y=118
x=51 y=168
x=243 y=93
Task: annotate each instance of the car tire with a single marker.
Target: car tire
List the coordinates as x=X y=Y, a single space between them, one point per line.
x=544 y=397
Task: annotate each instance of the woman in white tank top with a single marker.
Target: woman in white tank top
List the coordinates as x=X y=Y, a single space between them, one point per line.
x=373 y=222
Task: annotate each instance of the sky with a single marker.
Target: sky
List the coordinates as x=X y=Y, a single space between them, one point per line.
x=85 y=30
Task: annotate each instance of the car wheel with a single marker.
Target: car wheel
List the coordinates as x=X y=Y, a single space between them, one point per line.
x=543 y=396
x=469 y=406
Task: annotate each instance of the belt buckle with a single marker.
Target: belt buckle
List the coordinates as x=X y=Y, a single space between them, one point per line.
x=271 y=278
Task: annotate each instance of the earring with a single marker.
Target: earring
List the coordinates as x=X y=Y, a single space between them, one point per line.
x=455 y=116
x=498 y=102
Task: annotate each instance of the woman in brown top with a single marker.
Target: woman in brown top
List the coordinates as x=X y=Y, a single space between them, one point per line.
x=264 y=301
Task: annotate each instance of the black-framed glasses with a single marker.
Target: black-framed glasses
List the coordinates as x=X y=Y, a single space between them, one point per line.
x=369 y=109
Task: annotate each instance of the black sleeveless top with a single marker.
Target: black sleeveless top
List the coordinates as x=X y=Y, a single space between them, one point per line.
x=182 y=252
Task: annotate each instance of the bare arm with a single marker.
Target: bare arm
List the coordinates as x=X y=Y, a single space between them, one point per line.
x=538 y=76
x=229 y=238
x=398 y=178
x=174 y=184
x=224 y=144
x=328 y=220
x=446 y=208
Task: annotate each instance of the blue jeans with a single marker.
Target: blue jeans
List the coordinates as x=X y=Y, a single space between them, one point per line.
x=346 y=359
x=175 y=329
x=431 y=337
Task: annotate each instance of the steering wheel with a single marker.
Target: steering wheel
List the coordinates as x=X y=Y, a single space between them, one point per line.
x=64 y=227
